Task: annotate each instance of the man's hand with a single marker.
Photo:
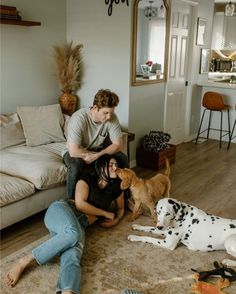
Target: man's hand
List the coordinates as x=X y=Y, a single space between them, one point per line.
x=90 y=157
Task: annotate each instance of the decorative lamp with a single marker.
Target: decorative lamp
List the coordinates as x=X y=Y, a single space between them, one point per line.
x=161 y=11
x=229 y=9
x=150 y=11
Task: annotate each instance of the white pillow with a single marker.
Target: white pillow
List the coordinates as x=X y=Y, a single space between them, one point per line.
x=11 y=132
x=42 y=124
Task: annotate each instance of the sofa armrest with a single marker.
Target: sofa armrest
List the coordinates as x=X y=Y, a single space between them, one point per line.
x=124 y=147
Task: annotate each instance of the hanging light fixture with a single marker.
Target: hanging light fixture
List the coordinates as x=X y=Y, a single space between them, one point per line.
x=161 y=11
x=229 y=9
x=150 y=11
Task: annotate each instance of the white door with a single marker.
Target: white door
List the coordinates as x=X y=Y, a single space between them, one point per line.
x=175 y=104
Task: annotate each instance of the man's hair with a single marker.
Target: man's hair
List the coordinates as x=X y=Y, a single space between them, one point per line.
x=105 y=98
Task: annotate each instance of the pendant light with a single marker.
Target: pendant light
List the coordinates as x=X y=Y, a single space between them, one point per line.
x=150 y=11
x=229 y=9
x=161 y=11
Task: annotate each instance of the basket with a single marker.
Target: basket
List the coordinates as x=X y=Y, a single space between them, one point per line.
x=155 y=160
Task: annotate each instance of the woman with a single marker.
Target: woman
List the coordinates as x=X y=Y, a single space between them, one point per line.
x=67 y=220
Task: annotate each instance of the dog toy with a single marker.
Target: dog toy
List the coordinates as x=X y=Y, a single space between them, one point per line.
x=202 y=287
x=224 y=272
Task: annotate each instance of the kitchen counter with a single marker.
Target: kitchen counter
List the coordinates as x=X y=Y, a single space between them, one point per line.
x=219 y=84
x=228 y=90
x=221 y=80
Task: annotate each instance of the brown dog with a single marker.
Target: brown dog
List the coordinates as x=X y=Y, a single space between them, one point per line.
x=145 y=191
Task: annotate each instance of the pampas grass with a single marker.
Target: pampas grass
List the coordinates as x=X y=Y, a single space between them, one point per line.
x=68 y=62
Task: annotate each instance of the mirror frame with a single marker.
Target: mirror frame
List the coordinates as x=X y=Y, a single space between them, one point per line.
x=134 y=46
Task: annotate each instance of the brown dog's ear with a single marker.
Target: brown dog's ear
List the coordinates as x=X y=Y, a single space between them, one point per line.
x=124 y=185
x=126 y=177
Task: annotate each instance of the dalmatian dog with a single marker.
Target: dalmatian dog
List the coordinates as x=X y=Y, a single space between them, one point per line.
x=180 y=222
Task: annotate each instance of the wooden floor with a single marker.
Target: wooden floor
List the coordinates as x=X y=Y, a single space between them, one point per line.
x=203 y=175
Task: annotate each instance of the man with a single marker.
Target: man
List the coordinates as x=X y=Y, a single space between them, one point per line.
x=93 y=132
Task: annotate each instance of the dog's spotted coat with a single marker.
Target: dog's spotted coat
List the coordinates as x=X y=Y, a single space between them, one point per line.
x=181 y=222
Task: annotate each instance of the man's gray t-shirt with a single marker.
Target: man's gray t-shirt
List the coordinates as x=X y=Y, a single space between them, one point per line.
x=82 y=130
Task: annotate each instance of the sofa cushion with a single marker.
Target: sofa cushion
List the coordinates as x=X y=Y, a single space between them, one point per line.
x=11 y=130
x=65 y=126
x=42 y=124
x=42 y=165
x=13 y=189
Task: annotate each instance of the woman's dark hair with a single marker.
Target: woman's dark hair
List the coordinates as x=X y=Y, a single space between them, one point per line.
x=102 y=167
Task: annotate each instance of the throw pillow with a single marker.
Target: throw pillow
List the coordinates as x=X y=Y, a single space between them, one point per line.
x=11 y=132
x=42 y=124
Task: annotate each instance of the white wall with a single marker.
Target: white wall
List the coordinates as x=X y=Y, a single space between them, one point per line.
x=106 y=52
x=147 y=102
x=205 y=10
x=27 y=71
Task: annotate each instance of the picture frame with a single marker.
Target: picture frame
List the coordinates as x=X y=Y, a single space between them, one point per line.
x=204 y=61
x=201 y=31
x=145 y=70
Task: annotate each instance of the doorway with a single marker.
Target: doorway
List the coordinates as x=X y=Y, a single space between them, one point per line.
x=177 y=97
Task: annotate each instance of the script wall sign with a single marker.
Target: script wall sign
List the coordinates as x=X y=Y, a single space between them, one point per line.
x=111 y=2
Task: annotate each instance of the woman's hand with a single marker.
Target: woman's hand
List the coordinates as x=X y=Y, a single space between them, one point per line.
x=108 y=223
x=109 y=215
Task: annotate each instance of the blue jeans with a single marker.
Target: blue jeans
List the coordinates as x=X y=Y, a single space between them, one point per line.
x=76 y=167
x=67 y=229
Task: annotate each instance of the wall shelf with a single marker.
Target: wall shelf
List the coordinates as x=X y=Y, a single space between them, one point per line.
x=20 y=22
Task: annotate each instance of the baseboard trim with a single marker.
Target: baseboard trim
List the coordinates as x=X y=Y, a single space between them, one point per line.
x=132 y=164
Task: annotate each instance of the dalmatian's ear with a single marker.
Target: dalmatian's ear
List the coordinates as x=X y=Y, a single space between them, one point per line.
x=175 y=205
x=172 y=202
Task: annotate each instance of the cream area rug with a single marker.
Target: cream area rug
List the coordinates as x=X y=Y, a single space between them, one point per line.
x=111 y=263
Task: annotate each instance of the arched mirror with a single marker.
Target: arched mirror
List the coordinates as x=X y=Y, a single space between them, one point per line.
x=150 y=41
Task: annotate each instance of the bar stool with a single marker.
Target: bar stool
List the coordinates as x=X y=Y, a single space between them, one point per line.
x=213 y=101
x=232 y=132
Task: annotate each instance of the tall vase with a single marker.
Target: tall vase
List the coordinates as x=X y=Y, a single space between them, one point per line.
x=68 y=103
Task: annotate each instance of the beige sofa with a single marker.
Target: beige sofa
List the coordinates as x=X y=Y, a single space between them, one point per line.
x=32 y=172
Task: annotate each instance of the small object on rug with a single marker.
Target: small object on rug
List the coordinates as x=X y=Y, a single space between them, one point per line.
x=201 y=287
x=224 y=272
x=128 y=291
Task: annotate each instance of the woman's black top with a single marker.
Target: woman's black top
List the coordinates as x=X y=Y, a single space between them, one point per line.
x=102 y=198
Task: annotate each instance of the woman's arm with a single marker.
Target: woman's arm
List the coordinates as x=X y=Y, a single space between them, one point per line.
x=81 y=203
x=120 y=209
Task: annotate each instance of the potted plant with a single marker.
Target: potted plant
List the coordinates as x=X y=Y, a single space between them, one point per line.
x=68 y=62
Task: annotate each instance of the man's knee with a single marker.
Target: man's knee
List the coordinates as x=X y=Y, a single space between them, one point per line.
x=76 y=162
x=73 y=162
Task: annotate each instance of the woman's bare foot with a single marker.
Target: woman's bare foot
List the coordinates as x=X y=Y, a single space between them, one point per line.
x=17 y=269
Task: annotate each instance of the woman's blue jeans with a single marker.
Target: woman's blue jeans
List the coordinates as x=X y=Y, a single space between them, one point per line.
x=67 y=240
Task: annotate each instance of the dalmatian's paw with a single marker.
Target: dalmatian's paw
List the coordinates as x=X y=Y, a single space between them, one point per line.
x=136 y=227
x=133 y=238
